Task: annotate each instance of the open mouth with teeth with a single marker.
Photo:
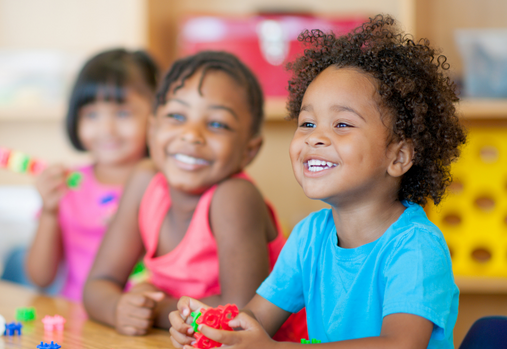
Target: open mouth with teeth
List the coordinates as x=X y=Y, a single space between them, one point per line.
x=190 y=160
x=319 y=165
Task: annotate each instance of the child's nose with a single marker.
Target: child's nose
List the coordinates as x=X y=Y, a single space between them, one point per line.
x=318 y=138
x=193 y=134
x=108 y=125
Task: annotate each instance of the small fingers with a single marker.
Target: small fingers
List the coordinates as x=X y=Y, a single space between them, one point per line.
x=178 y=323
x=221 y=336
x=140 y=300
x=244 y=321
x=140 y=312
x=187 y=305
x=155 y=296
x=175 y=343
x=180 y=338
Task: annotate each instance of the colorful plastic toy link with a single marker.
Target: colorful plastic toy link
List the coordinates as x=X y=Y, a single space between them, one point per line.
x=308 y=341
x=25 y=314
x=13 y=327
x=213 y=317
x=48 y=345
x=19 y=162
x=52 y=323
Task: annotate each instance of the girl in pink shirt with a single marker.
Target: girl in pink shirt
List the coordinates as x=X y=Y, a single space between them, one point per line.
x=107 y=117
x=202 y=225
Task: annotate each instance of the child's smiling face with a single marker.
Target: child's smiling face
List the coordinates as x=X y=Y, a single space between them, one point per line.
x=202 y=134
x=340 y=149
x=115 y=133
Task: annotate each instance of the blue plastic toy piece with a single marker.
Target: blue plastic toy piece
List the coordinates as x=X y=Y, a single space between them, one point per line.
x=108 y=198
x=12 y=328
x=51 y=345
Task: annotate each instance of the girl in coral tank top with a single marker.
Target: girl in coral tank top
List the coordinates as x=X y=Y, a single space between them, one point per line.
x=202 y=225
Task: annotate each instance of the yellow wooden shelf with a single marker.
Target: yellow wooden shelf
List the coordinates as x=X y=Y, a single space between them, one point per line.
x=481 y=285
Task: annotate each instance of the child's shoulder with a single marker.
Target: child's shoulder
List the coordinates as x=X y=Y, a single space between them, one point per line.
x=141 y=177
x=238 y=194
x=415 y=232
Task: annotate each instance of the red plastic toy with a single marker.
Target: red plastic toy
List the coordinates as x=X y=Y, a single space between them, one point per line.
x=215 y=318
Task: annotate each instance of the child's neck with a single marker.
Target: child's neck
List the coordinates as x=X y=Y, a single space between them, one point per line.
x=183 y=204
x=360 y=224
x=113 y=174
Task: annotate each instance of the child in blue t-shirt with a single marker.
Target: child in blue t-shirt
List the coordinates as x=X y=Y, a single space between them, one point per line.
x=377 y=131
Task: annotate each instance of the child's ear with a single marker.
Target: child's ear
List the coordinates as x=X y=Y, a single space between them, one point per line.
x=402 y=154
x=252 y=149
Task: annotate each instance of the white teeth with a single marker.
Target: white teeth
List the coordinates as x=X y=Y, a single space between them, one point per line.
x=315 y=165
x=190 y=159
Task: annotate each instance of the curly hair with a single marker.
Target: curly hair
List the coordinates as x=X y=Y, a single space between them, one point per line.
x=411 y=85
x=226 y=62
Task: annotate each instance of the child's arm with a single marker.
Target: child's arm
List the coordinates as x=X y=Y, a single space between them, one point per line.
x=131 y=313
x=46 y=251
x=239 y=219
x=260 y=317
x=240 y=222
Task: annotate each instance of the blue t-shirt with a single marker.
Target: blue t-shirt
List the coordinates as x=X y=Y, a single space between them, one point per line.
x=347 y=292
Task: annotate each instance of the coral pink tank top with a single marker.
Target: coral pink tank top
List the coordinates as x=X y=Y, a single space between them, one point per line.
x=191 y=269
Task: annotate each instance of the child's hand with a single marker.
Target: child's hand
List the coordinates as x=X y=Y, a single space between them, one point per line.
x=181 y=331
x=135 y=312
x=251 y=336
x=51 y=186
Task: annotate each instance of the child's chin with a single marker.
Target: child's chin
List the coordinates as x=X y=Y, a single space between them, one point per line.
x=314 y=195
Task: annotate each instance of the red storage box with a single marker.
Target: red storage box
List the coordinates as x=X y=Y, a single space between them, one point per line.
x=264 y=43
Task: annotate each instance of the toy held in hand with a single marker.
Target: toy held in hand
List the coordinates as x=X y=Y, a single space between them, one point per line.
x=21 y=163
x=217 y=318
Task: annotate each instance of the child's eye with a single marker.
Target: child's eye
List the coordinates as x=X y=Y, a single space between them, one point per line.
x=90 y=114
x=307 y=125
x=123 y=113
x=342 y=124
x=219 y=125
x=177 y=117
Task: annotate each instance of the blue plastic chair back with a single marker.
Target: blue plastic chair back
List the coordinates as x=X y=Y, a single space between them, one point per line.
x=487 y=333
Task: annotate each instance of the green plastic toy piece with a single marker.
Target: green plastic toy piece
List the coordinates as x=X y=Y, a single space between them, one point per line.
x=74 y=179
x=307 y=341
x=19 y=162
x=25 y=314
x=195 y=315
x=138 y=268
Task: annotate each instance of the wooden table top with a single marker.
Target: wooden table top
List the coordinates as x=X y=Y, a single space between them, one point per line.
x=79 y=332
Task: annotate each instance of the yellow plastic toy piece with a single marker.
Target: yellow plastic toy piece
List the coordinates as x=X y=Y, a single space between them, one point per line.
x=473 y=216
